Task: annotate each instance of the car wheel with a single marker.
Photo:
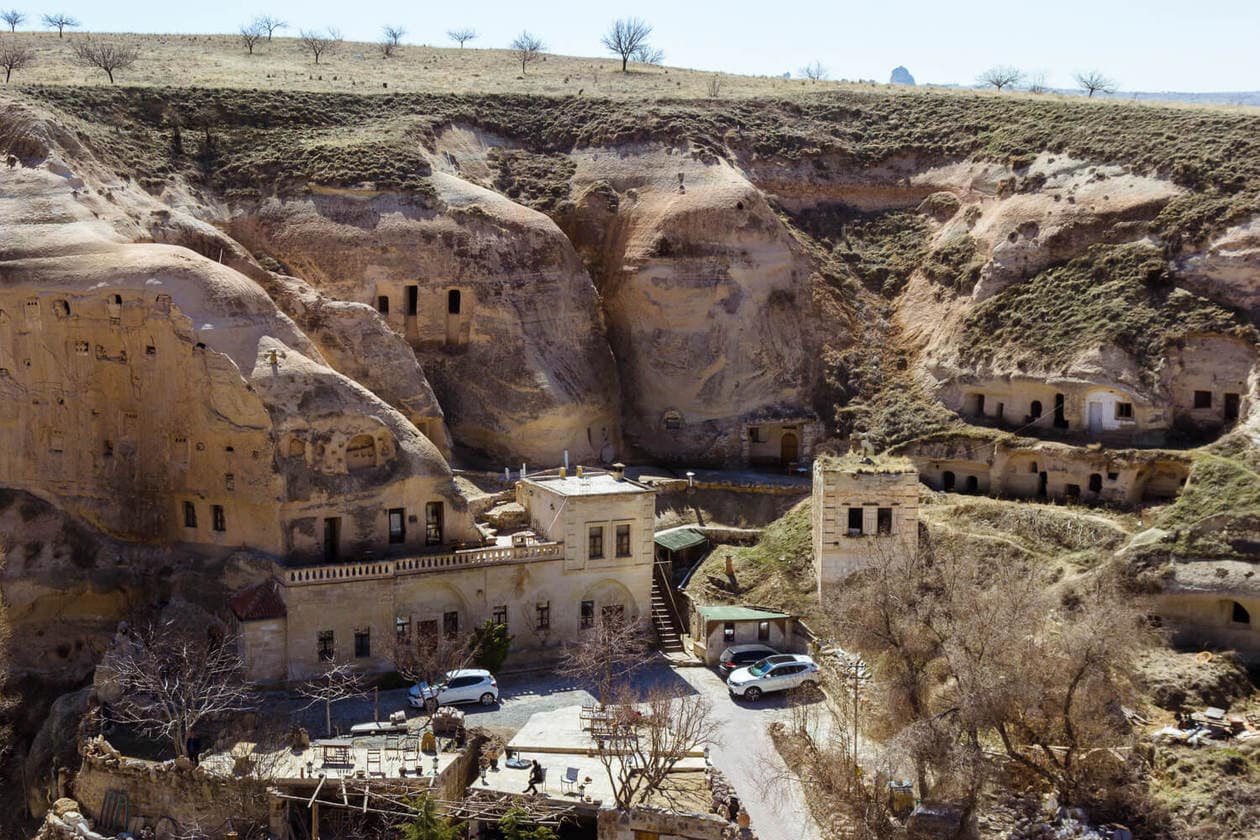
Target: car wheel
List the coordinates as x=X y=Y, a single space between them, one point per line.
x=487 y=699
x=753 y=694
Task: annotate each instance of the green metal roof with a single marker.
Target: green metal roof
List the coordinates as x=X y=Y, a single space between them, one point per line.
x=723 y=612
x=679 y=538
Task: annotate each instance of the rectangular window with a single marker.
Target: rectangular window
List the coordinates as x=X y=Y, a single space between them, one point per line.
x=397 y=525
x=543 y=616
x=218 y=520
x=588 y=615
x=190 y=515
x=763 y=631
x=450 y=624
x=595 y=543
x=1202 y=399
x=1124 y=411
x=499 y=615
x=332 y=539
x=413 y=299
x=362 y=644
x=229 y=481
x=623 y=540
x=402 y=628
x=382 y=304
x=883 y=522
x=433 y=523
x=728 y=631
x=754 y=435
x=855 y=522
x=326 y=647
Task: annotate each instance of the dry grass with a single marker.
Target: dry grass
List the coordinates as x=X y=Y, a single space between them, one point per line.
x=221 y=61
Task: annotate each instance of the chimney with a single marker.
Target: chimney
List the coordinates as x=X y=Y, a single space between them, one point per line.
x=619 y=471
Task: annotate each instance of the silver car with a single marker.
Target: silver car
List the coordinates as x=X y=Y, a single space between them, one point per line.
x=774 y=673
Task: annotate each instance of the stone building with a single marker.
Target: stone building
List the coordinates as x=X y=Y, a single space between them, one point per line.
x=588 y=555
x=861 y=506
x=1214 y=604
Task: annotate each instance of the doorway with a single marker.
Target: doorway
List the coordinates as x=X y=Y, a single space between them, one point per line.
x=1231 y=407
x=413 y=300
x=789 y=449
x=1095 y=418
x=332 y=539
x=947 y=481
x=1060 y=420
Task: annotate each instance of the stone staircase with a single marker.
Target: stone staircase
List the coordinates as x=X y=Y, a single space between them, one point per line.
x=668 y=634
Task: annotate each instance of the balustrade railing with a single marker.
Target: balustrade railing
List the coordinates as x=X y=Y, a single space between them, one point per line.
x=418 y=564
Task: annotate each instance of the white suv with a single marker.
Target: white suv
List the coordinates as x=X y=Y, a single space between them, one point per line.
x=467 y=685
x=774 y=673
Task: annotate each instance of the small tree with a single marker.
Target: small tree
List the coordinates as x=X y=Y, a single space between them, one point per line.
x=605 y=653
x=12 y=17
x=1037 y=82
x=428 y=824
x=393 y=36
x=1095 y=82
x=649 y=55
x=337 y=683
x=1001 y=77
x=642 y=747
x=491 y=644
x=61 y=22
x=515 y=824
x=462 y=35
x=714 y=86
x=172 y=679
x=270 y=24
x=815 y=71
x=320 y=43
x=251 y=34
x=15 y=57
x=106 y=56
x=626 y=37
x=427 y=659
x=527 y=48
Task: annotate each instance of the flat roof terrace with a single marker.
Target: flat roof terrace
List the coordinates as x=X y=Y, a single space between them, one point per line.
x=587 y=484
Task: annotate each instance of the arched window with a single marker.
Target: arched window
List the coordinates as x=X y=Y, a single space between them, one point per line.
x=1239 y=614
x=452 y=302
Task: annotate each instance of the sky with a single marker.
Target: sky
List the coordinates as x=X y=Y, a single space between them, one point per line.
x=1156 y=45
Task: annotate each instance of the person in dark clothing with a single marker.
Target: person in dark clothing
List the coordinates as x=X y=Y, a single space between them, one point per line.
x=194 y=747
x=732 y=808
x=535 y=776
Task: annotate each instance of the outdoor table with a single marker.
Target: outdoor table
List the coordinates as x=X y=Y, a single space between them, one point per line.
x=337 y=751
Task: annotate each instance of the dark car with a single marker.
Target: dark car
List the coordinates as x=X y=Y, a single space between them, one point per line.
x=740 y=655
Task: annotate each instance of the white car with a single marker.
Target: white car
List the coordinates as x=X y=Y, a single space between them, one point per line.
x=774 y=673
x=467 y=685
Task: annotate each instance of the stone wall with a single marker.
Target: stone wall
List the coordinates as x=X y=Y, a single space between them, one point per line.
x=662 y=825
x=860 y=510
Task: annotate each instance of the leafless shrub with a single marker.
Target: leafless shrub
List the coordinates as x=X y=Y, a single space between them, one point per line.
x=15 y=57
x=337 y=683
x=106 y=56
x=319 y=43
x=1037 y=82
x=270 y=23
x=61 y=22
x=714 y=86
x=427 y=659
x=393 y=36
x=626 y=37
x=462 y=35
x=12 y=17
x=649 y=55
x=172 y=679
x=1001 y=77
x=251 y=34
x=528 y=48
x=606 y=653
x=815 y=72
x=1095 y=82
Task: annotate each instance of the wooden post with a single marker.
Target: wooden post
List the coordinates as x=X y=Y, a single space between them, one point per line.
x=314 y=820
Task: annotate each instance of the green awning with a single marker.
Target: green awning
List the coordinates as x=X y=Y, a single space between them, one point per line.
x=679 y=538
x=723 y=612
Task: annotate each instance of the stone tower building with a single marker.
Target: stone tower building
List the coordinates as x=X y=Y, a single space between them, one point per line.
x=861 y=506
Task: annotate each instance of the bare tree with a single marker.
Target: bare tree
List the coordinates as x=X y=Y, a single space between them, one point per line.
x=61 y=22
x=1037 y=82
x=12 y=17
x=1095 y=82
x=626 y=37
x=337 y=683
x=251 y=34
x=648 y=54
x=320 y=43
x=172 y=679
x=393 y=36
x=462 y=35
x=106 y=56
x=527 y=48
x=645 y=741
x=1000 y=77
x=606 y=653
x=815 y=71
x=714 y=86
x=15 y=57
x=271 y=24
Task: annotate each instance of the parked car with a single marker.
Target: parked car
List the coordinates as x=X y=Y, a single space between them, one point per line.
x=774 y=673
x=737 y=656
x=467 y=685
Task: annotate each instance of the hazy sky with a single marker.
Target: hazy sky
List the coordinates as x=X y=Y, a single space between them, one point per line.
x=1211 y=45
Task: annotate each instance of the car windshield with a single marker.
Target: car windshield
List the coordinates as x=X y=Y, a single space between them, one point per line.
x=760 y=667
